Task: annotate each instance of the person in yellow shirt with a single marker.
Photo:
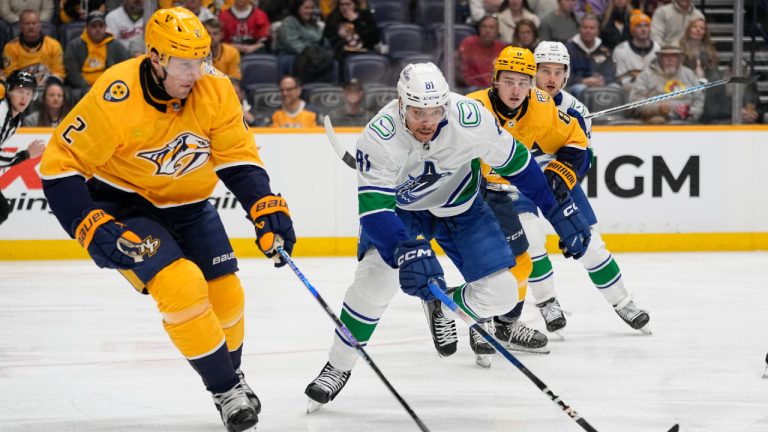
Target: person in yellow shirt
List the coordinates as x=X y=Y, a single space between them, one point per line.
x=561 y=148
x=128 y=174
x=294 y=113
x=226 y=58
x=34 y=52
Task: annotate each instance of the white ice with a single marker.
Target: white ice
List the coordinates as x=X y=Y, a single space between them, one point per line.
x=81 y=351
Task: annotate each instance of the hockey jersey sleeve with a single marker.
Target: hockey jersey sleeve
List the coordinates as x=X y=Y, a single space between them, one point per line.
x=376 y=189
x=512 y=160
x=565 y=139
x=71 y=155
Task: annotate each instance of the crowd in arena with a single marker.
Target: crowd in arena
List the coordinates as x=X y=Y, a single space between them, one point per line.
x=294 y=61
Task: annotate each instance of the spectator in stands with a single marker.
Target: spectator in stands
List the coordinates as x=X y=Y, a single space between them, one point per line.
x=511 y=12
x=54 y=105
x=667 y=74
x=352 y=113
x=670 y=21
x=351 y=30
x=478 y=9
x=526 y=35
x=226 y=58
x=699 y=53
x=276 y=10
x=77 y=10
x=88 y=56
x=591 y=63
x=300 y=29
x=11 y=10
x=477 y=53
x=33 y=52
x=543 y=8
x=561 y=24
x=594 y=7
x=196 y=6
x=294 y=113
x=634 y=55
x=246 y=27
x=126 y=24
x=614 y=27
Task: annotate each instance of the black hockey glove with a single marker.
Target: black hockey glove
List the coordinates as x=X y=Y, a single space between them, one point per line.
x=273 y=227
x=418 y=263
x=109 y=243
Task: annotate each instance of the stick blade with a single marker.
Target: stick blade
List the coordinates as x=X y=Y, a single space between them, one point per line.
x=743 y=80
x=347 y=158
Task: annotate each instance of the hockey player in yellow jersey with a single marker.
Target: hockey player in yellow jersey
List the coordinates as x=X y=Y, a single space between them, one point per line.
x=560 y=146
x=529 y=114
x=128 y=174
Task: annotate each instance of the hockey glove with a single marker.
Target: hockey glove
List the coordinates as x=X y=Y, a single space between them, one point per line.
x=273 y=227
x=572 y=229
x=110 y=243
x=561 y=178
x=418 y=263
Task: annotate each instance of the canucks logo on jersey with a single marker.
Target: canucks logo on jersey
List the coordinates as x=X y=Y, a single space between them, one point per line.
x=416 y=188
x=185 y=153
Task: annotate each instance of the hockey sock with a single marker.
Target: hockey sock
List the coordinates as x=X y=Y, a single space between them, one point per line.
x=216 y=370
x=514 y=314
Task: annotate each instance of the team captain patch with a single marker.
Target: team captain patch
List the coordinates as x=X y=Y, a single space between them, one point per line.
x=116 y=92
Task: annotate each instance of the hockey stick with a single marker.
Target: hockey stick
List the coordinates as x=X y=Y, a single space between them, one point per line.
x=337 y=147
x=446 y=300
x=342 y=328
x=659 y=98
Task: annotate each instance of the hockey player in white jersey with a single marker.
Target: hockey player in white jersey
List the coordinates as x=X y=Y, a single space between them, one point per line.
x=552 y=62
x=418 y=163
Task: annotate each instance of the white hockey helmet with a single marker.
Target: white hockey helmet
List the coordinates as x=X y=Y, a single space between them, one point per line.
x=422 y=85
x=553 y=52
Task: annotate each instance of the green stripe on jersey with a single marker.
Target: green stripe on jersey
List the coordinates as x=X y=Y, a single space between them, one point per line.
x=517 y=163
x=370 y=202
x=471 y=188
x=362 y=331
x=606 y=274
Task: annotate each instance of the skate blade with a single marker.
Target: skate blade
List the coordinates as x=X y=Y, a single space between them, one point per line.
x=313 y=406
x=560 y=335
x=645 y=330
x=765 y=374
x=518 y=348
x=483 y=360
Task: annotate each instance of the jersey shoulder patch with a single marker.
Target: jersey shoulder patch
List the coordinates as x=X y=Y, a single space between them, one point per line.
x=116 y=92
x=383 y=126
x=540 y=95
x=469 y=114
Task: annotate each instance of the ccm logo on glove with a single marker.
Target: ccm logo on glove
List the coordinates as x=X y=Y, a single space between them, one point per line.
x=413 y=254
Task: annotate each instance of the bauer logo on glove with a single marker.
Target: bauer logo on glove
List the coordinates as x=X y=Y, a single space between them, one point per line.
x=274 y=227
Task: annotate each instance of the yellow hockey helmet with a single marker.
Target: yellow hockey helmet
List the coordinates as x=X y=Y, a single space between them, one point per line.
x=177 y=32
x=515 y=59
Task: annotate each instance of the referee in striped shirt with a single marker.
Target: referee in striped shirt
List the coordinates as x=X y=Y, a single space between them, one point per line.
x=20 y=91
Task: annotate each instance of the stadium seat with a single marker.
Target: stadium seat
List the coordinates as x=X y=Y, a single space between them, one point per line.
x=404 y=40
x=375 y=98
x=460 y=31
x=601 y=98
x=326 y=99
x=71 y=31
x=390 y=11
x=367 y=68
x=259 y=69
x=265 y=100
x=429 y=12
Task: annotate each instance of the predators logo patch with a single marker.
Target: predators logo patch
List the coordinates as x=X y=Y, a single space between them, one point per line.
x=116 y=92
x=184 y=154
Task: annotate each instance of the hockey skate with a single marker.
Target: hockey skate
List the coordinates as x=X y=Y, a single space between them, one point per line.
x=237 y=412
x=631 y=314
x=249 y=392
x=325 y=387
x=553 y=314
x=516 y=336
x=482 y=349
x=443 y=329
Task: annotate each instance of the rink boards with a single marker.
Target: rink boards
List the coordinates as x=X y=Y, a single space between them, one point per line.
x=676 y=188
